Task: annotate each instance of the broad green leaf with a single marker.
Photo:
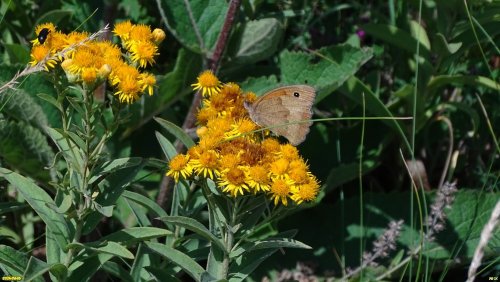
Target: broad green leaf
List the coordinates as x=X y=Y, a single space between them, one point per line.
x=83 y=269
x=162 y=274
x=25 y=148
x=7 y=234
x=72 y=154
x=18 y=53
x=117 y=270
x=187 y=66
x=114 y=166
x=196 y=227
x=50 y=99
x=176 y=131
x=145 y=202
x=108 y=247
x=21 y=106
x=38 y=199
x=112 y=187
x=443 y=48
x=397 y=37
x=442 y=80
x=133 y=235
x=259 y=40
x=191 y=267
x=207 y=15
x=259 y=85
x=166 y=146
x=144 y=258
x=11 y=207
x=334 y=66
x=16 y=260
x=35 y=269
x=419 y=33
x=54 y=16
x=245 y=265
x=279 y=243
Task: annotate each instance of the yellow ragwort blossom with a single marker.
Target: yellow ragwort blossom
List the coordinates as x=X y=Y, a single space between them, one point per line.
x=239 y=159
x=92 y=62
x=180 y=166
x=208 y=83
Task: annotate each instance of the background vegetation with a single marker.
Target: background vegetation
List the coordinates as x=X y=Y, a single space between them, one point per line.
x=434 y=61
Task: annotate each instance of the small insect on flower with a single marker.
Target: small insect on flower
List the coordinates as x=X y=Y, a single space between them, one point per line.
x=42 y=35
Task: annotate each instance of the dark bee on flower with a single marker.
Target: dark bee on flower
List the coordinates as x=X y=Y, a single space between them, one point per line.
x=42 y=35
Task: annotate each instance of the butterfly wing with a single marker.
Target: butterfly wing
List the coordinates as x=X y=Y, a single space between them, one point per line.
x=286 y=111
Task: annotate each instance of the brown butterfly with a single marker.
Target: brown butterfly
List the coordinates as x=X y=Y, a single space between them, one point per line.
x=281 y=106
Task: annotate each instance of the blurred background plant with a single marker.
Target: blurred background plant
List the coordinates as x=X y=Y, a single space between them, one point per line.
x=435 y=61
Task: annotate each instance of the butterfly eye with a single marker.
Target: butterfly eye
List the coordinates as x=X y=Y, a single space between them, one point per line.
x=296 y=94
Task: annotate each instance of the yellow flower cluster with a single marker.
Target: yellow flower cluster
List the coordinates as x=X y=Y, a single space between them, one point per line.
x=237 y=158
x=93 y=62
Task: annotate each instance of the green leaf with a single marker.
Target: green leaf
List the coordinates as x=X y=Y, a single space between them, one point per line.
x=20 y=105
x=38 y=199
x=134 y=235
x=259 y=85
x=334 y=66
x=187 y=66
x=18 y=53
x=83 y=269
x=111 y=248
x=176 y=131
x=16 y=260
x=279 y=243
x=208 y=17
x=166 y=146
x=259 y=40
x=196 y=227
x=11 y=207
x=116 y=270
x=35 y=269
x=51 y=100
x=419 y=33
x=113 y=166
x=397 y=37
x=245 y=265
x=146 y=202
x=72 y=154
x=191 y=267
x=25 y=148
x=8 y=234
x=460 y=80
x=112 y=187
x=54 y=16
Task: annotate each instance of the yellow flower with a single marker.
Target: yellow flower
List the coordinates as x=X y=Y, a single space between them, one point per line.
x=38 y=54
x=258 y=179
x=208 y=83
x=288 y=152
x=279 y=168
x=140 y=32
x=206 y=164
x=85 y=57
x=305 y=192
x=179 y=166
x=143 y=53
x=147 y=81
x=280 y=191
x=123 y=30
x=233 y=181
x=128 y=90
x=89 y=75
x=241 y=127
x=229 y=161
